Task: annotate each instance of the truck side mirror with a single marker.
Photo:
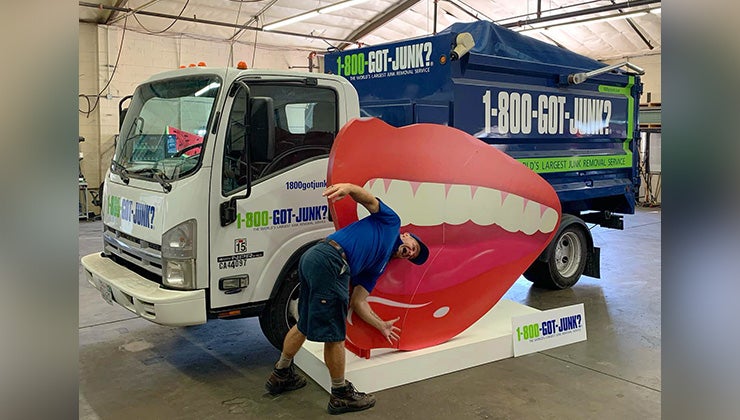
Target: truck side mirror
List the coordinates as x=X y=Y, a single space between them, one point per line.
x=122 y=111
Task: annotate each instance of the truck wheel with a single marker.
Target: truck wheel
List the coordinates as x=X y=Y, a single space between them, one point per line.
x=566 y=263
x=282 y=312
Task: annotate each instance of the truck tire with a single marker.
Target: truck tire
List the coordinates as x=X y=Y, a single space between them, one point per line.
x=566 y=261
x=282 y=311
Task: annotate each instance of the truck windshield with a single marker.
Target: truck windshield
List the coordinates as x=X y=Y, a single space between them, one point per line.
x=166 y=128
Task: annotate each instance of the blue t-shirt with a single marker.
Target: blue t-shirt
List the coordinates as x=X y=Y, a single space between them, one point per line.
x=369 y=244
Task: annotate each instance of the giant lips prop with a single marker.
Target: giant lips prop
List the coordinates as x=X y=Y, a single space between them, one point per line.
x=484 y=216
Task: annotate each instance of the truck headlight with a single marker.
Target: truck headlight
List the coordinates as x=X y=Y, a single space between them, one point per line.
x=178 y=256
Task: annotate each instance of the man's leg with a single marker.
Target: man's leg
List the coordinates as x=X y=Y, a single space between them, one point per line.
x=344 y=396
x=292 y=343
x=283 y=377
x=334 y=359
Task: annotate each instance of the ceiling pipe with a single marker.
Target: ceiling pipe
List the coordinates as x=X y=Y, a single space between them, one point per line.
x=203 y=21
x=591 y=11
x=113 y=20
x=114 y=14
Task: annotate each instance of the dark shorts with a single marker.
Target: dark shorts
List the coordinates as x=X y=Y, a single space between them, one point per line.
x=324 y=298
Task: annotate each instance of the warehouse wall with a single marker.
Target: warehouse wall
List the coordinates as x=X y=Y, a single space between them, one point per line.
x=88 y=83
x=142 y=55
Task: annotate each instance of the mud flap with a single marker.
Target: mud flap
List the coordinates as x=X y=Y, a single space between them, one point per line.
x=593 y=263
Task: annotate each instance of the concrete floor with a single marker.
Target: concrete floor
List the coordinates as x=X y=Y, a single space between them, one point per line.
x=131 y=368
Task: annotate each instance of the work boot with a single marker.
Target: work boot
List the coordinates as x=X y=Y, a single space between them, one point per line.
x=347 y=398
x=285 y=379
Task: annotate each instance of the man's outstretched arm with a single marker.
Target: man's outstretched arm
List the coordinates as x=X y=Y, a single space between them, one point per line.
x=359 y=194
x=358 y=303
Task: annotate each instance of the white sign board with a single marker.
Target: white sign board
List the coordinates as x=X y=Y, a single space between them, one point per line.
x=548 y=329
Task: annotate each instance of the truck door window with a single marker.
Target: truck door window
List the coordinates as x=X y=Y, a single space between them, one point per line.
x=235 y=166
x=305 y=126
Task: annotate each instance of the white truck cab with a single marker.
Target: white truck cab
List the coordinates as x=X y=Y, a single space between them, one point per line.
x=214 y=192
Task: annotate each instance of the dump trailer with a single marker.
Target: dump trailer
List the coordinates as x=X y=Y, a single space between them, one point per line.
x=571 y=119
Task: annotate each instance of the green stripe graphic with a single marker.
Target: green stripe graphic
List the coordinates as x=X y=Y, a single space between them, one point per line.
x=577 y=163
x=589 y=163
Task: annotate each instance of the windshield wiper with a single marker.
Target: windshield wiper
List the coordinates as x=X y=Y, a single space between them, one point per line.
x=122 y=172
x=158 y=175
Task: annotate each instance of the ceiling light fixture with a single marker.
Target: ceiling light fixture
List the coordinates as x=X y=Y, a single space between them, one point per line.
x=313 y=13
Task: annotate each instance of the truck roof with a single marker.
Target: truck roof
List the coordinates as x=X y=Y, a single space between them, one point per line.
x=228 y=74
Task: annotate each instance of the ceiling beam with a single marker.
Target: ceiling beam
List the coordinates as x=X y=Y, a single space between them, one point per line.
x=637 y=30
x=377 y=22
x=555 y=42
x=473 y=12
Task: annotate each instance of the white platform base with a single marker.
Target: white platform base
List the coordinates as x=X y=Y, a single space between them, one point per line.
x=488 y=340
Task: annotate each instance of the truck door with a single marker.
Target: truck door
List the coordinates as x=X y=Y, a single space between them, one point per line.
x=288 y=135
x=234 y=258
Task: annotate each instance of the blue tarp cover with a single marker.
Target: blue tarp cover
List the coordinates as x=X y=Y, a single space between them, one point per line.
x=491 y=39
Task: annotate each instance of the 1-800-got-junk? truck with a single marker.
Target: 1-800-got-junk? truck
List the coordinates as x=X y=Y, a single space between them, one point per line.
x=214 y=190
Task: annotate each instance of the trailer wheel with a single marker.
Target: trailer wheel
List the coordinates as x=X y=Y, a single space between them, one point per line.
x=282 y=312
x=566 y=263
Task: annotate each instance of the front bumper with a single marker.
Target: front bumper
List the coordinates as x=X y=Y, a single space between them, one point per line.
x=142 y=296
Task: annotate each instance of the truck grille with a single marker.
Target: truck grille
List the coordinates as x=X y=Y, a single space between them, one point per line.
x=142 y=254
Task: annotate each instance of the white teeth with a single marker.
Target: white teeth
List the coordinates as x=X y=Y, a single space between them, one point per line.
x=549 y=220
x=425 y=212
x=431 y=206
x=397 y=196
x=488 y=205
x=511 y=213
x=531 y=220
x=456 y=211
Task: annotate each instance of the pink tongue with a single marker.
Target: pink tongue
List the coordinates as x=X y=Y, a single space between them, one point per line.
x=454 y=263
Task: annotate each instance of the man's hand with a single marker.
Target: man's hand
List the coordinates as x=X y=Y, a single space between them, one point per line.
x=360 y=195
x=390 y=331
x=358 y=303
x=338 y=191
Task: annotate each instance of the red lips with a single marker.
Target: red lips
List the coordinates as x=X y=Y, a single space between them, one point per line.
x=484 y=216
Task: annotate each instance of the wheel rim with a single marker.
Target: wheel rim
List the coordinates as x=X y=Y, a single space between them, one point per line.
x=291 y=309
x=568 y=254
